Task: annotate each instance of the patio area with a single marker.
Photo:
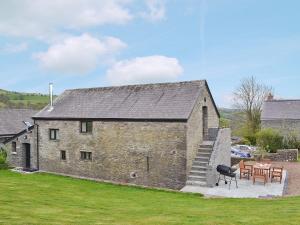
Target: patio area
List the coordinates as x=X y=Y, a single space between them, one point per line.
x=246 y=188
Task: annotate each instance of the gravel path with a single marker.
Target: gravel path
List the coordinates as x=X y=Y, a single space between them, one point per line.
x=293 y=169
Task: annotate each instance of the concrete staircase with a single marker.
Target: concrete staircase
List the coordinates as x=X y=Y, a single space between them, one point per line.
x=197 y=176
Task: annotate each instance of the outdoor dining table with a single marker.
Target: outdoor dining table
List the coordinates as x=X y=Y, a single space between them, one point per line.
x=265 y=166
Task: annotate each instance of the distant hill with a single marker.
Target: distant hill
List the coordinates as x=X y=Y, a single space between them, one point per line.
x=229 y=114
x=235 y=118
x=12 y=99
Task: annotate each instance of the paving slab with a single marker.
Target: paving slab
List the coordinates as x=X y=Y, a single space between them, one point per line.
x=246 y=189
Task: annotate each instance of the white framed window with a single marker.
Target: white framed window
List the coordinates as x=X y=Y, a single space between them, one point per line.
x=85 y=155
x=54 y=134
x=86 y=127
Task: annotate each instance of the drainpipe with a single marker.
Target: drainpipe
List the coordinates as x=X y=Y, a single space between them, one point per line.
x=51 y=96
x=37 y=146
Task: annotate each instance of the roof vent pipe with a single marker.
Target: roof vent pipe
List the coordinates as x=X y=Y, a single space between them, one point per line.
x=51 y=96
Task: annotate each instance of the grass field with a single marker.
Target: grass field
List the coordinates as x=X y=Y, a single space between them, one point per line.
x=51 y=199
x=22 y=100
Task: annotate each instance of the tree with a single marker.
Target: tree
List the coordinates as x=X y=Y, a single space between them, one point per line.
x=249 y=97
x=224 y=123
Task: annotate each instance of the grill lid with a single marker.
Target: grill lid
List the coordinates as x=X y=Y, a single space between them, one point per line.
x=223 y=169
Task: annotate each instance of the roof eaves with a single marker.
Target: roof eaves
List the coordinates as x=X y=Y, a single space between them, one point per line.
x=115 y=119
x=213 y=101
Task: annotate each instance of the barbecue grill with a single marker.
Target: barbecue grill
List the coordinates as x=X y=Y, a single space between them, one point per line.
x=228 y=172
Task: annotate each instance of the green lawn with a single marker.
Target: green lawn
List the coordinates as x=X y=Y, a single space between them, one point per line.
x=50 y=199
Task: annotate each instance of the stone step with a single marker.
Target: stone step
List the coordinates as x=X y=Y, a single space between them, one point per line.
x=198 y=173
x=196 y=178
x=207 y=143
x=205 y=150
x=205 y=146
x=201 y=159
x=196 y=183
x=199 y=168
x=199 y=163
x=203 y=154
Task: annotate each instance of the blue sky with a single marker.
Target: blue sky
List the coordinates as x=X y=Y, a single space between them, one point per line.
x=76 y=43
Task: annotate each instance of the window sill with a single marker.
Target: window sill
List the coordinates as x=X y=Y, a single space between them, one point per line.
x=14 y=153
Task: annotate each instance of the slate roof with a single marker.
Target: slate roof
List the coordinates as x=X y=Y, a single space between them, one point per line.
x=148 y=101
x=11 y=120
x=281 y=109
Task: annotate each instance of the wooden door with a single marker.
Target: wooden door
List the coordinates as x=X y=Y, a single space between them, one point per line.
x=205 y=122
x=27 y=155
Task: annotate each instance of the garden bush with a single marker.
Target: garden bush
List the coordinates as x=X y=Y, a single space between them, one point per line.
x=269 y=140
x=3 y=155
x=251 y=139
x=290 y=141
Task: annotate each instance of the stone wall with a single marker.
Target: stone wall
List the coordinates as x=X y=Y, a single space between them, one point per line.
x=17 y=159
x=282 y=155
x=194 y=125
x=283 y=126
x=143 y=153
x=221 y=154
x=290 y=155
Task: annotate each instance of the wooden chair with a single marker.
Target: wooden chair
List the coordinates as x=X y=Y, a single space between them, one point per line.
x=261 y=174
x=244 y=172
x=277 y=172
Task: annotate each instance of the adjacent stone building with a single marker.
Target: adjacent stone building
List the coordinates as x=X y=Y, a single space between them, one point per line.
x=16 y=133
x=142 y=134
x=282 y=115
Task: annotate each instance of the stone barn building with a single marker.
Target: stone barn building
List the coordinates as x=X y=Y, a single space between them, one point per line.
x=282 y=115
x=159 y=135
x=16 y=130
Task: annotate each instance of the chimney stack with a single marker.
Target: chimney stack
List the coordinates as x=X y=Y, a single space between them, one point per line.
x=270 y=97
x=51 y=96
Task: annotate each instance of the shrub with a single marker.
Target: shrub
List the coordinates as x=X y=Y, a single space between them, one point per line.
x=3 y=166
x=251 y=139
x=269 y=140
x=224 y=123
x=244 y=141
x=290 y=141
x=3 y=156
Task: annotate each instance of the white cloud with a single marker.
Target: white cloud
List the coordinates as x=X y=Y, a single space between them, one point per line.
x=79 y=55
x=156 y=10
x=144 y=70
x=49 y=20
x=14 y=48
x=44 y=19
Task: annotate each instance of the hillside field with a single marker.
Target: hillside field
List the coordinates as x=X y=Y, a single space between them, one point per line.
x=11 y=99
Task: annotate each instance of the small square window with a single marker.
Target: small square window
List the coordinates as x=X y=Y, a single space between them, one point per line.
x=85 y=155
x=14 y=146
x=54 y=134
x=86 y=126
x=63 y=155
